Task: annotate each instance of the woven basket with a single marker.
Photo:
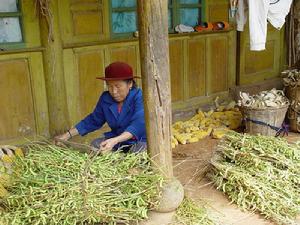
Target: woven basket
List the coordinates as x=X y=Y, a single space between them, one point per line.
x=293 y=94
x=271 y=116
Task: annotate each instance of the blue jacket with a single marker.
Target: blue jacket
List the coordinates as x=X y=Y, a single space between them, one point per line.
x=130 y=119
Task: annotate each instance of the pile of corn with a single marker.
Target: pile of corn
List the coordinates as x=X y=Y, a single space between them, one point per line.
x=8 y=154
x=259 y=173
x=56 y=185
x=215 y=123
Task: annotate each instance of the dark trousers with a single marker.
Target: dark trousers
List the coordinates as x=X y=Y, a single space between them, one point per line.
x=139 y=146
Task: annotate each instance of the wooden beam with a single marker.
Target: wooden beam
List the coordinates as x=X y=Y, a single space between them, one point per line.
x=297 y=31
x=54 y=73
x=154 y=53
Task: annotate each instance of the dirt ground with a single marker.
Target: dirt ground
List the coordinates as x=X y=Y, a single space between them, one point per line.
x=190 y=162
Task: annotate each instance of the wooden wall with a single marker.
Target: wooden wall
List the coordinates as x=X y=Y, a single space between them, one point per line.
x=196 y=60
x=255 y=66
x=202 y=66
x=23 y=105
x=217 y=10
x=24 y=109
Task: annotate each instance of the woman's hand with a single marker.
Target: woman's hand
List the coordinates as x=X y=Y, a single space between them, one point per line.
x=63 y=137
x=108 y=144
x=66 y=136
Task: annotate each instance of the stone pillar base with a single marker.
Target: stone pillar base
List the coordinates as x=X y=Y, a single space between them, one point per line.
x=172 y=196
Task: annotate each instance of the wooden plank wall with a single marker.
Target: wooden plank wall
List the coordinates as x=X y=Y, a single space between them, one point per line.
x=202 y=66
x=257 y=66
x=196 y=61
x=24 y=109
x=24 y=103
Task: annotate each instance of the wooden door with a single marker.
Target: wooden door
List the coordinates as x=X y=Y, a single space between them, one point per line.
x=257 y=66
x=24 y=111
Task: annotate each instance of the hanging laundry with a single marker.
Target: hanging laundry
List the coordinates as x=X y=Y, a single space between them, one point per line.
x=260 y=12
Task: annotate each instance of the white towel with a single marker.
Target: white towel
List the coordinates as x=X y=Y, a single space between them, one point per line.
x=181 y=28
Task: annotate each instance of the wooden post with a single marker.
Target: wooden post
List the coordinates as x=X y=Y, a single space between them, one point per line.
x=154 y=53
x=297 y=31
x=53 y=66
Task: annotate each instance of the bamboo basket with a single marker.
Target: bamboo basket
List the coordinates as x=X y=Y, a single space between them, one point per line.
x=293 y=94
x=268 y=117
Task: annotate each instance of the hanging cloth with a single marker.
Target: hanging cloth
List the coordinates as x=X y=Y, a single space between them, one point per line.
x=260 y=12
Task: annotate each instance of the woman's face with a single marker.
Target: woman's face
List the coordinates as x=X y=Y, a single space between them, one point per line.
x=118 y=89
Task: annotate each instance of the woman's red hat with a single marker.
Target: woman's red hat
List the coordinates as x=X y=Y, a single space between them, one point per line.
x=118 y=71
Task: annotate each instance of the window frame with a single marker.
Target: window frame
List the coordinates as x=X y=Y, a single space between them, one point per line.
x=120 y=9
x=19 y=14
x=175 y=7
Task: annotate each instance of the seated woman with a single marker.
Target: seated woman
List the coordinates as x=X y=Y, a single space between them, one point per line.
x=121 y=107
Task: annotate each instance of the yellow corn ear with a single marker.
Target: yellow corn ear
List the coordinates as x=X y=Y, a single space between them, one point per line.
x=208 y=114
x=6 y=159
x=181 y=138
x=3 y=192
x=2 y=168
x=174 y=140
x=9 y=153
x=5 y=180
x=192 y=140
x=13 y=149
x=219 y=133
x=200 y=134
x=178 y=125
x=19 y=152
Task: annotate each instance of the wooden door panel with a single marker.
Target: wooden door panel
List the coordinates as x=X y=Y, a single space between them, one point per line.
x=94 y=20
x=90 y=66
x=217 y=64
x=196 y=68
x=17 y=116
x=127 y=54
x=83 y=21
x=257 y=66
x=260 y=61
x=176 y=69
x=218 y=12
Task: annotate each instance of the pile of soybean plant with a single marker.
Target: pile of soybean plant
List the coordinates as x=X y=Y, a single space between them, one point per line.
x=190 y=213
x=55 y=185
x=259 y=174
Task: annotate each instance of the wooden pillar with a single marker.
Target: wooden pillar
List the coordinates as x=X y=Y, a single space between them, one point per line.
x=53 y=66
x=297 y=30
x=154 y=53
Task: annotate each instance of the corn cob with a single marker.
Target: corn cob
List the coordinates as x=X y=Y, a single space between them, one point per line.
x=16 y=150
x=219 y=133
x=3 y=192
x=201 y=125
x=2 y=168
x=5 y=158
x=5 y=180
x=8 y=152
x=192 y=140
